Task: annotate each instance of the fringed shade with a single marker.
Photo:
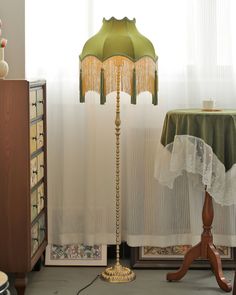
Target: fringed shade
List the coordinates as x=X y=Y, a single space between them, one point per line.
x=118 y=42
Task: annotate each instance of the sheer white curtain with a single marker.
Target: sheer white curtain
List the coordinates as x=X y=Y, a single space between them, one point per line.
x=196 y=45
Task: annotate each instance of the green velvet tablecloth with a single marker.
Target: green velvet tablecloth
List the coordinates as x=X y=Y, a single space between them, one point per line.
x=216 y=128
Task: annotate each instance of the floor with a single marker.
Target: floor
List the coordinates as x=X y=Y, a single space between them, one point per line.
x=69 y=280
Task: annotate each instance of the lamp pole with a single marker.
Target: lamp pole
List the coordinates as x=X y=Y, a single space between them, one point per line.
x=118 y=273
x=117 y=129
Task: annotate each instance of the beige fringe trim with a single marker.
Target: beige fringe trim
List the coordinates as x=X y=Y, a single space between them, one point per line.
x=144 y=68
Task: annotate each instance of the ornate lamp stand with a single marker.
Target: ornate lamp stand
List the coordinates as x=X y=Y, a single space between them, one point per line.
x=118 y=273
x=118 y=58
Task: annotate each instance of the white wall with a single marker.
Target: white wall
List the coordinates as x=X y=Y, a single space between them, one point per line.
x=12 y=14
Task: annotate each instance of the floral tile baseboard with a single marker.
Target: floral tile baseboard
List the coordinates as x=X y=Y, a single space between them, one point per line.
x=172 y=257
x=76 y=255
x=178 y=251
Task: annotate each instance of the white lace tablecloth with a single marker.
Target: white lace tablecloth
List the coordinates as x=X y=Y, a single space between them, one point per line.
x=201 y=143
x=193 y=155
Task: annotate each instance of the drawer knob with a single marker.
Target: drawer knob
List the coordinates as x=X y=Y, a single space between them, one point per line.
x=34 y=104
x=35 y=206
x=41 y=134
x=35 y=171
x=40 y=101
x=34 y=138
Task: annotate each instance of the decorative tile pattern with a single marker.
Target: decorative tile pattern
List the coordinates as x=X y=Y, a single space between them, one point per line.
x=177 y=251
x=74 y=251
x=76 y=254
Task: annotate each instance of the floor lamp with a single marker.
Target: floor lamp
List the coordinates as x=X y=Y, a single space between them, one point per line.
x=118 y=58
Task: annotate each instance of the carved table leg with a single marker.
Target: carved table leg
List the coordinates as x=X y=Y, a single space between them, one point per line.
x=192 y=254
x=20 y=283
x=204 y=249
x=215 y=261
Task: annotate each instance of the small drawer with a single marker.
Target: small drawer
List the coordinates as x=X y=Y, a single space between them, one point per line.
x=40 y=159
x=33 y=104
x=41 y=198
x=40 y=134
x=34 y=172
x=40 y=102
x=34 y=205
x=33 y=138
x=42 y=228
x=34 y=238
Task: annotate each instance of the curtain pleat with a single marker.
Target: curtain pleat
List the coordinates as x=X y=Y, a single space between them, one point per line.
x=196 y=45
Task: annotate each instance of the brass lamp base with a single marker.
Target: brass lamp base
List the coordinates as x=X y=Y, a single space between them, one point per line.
x=118 y=274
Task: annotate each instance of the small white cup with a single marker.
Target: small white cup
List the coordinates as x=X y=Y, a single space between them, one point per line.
x=208 y=104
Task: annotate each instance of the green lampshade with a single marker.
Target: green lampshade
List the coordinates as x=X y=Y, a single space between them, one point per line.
x=98 y=60
x=118 y=37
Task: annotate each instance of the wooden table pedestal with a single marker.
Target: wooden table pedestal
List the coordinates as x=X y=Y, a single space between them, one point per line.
x=204 y=249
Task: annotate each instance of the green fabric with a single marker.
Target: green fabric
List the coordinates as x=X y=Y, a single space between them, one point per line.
x=155 y=95
x=81 y=97
x=118 y=37
x=102 y=94
x=134 y=94
x=217 y=129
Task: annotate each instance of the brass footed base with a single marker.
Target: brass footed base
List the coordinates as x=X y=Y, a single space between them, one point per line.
x=118 y=274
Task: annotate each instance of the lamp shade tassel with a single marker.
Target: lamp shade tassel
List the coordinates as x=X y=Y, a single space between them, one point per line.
x=81 y=96
x=133 y=96
x=102 y=88
x=155 y=95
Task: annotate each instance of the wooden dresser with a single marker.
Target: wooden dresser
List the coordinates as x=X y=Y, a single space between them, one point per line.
x=23 y=177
